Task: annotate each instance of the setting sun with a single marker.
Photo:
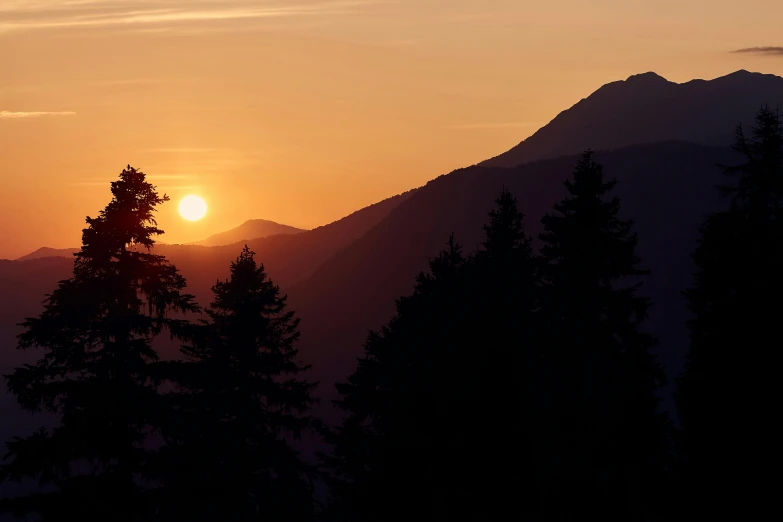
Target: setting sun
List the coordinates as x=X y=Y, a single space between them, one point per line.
x=192 y=208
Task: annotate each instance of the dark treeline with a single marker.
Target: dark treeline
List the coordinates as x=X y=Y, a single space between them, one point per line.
x=513 y=383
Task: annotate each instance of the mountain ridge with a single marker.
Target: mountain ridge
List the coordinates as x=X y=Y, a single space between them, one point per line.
x=250 y=229
x=648 y=108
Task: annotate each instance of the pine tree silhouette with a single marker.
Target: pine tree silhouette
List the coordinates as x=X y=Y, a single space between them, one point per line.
x=395 y=455
x=601 y=436
x=726 y=396
x=97 y=372
x=504 y=279
x=435 y=425
x=241 y=395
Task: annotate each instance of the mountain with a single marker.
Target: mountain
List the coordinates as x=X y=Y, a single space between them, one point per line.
x=647 y=108
x=252 y=229
x=49 y=252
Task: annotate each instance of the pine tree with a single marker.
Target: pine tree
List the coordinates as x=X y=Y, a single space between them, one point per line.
x=398 y=453
x=97 y=372
x=727 y=394
x=504 y=279
x=437 y=408
x=601 y=434
x=241 y=395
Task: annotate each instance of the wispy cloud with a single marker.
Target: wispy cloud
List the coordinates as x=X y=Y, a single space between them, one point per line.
x=490 y=125
x=22 y=15
x=154 y=178
x=175 y=150
x=128 y=81
x=769 y=50
x=10 y=115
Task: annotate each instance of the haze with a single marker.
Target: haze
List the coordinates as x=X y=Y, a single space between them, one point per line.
x=302 y=111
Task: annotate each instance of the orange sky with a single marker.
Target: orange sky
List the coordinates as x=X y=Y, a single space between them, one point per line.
x=302 y=111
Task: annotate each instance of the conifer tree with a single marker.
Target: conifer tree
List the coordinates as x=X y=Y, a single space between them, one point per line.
x=435 y=407
x=601 y=435
x=97 y=372
x=727 y=394
x=398 y=453
x=503 y=297
x=241 y=396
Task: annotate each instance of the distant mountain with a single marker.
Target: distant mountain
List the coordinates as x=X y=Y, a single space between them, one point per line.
x=647 y=108
x=49 y=252
x=255 y=228
x=252 y=229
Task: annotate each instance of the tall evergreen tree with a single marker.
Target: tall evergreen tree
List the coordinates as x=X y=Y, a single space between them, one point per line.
x=436 y=405
x=727 y=395
x=241 y=396
x=97 y=369
x=503 y=295
x=399 y=451
x=601 y=434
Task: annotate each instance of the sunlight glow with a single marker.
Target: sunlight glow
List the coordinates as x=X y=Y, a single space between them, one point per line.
x=192 y=208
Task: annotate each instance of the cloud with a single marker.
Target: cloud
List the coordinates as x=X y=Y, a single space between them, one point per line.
x=153 y=178
x=186 y=149
x=774 y=51
x=490 y=125
x=129 y=81
x=9 y=115
x=28 y=15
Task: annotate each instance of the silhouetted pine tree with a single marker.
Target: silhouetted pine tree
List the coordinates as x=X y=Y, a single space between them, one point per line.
x=398 y=454
x=503 y=295
x=241 y=396
x=727 y=396
x=437 y=408
x=96 y=372
x=601 y=436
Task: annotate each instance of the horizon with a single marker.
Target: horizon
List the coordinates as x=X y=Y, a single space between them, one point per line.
x=304 y=114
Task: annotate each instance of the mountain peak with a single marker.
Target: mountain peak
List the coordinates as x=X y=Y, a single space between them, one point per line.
x=648 y=108
x=647 y=78
x=250 y=229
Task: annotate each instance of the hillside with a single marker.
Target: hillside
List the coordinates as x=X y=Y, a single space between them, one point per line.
x=252 y=229
x=647 y=108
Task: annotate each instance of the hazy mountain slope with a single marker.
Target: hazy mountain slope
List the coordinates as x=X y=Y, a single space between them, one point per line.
x=647 y=108
x=49 y=252
x=252 y=229
x=667 y=188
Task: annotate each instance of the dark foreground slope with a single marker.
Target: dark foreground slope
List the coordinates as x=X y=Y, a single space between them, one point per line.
x=647 y=108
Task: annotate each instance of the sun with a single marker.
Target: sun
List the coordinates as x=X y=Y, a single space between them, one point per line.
x=192 y=208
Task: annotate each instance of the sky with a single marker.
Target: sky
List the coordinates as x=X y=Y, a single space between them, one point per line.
x=303 y=111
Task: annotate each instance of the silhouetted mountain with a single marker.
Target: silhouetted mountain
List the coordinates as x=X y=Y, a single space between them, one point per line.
x=49 y=252
x=647 y=108
x=252 y=229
